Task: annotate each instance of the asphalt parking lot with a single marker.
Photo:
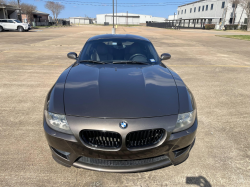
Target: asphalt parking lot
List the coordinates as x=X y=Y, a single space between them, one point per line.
x=216 y=69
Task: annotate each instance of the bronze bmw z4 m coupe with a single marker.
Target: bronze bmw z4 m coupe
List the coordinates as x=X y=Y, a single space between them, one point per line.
x=118 y=108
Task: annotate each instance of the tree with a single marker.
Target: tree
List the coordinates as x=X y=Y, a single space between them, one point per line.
x=2 y=2
x=55 y=8
x=246 y=6
x=235 y=4
x=17 y=4
x=13 y=2
x=28 y=9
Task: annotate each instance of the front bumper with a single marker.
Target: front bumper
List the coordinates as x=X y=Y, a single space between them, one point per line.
x=175 y=149
x=25 y=27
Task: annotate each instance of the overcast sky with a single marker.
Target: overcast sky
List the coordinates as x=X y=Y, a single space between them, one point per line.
x=73 y=8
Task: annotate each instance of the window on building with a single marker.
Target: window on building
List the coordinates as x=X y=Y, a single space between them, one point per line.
x=185 y=11
x=190 y=10
x=212 y=6
x=206 y=7
x=194 y=9
x=182 y=12
x=245 y=21
x=223 y=5
x=178 y=12
x=234 y=5
x=231 y=21
x=197 y=21
x=203 y=7
x=199 y=9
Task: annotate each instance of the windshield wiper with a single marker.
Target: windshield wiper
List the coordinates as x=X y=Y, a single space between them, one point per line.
x=130 y=62
x=92 y=61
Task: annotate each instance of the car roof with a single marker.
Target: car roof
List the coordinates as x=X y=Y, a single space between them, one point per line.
x=118 y=36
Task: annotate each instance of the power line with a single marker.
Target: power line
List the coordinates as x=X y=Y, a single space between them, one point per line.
x=169 y=2
x=120 y=4
x=131 y=5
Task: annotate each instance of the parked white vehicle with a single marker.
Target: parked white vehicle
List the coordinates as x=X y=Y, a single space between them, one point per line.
x=13 y=24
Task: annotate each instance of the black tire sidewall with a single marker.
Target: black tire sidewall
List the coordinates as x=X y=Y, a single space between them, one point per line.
x=1 y=29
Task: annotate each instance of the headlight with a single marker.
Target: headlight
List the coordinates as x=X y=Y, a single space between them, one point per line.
x=185 y=121
x=57 y=122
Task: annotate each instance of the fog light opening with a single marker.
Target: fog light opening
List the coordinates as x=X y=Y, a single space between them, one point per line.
x=180 y=151
x=60 y=153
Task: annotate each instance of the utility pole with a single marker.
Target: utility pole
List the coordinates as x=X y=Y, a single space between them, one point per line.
x=116 y=13
x=174 y=21
x=113 y=29
x=127 y=17
x=113 y=14
x=18 y=2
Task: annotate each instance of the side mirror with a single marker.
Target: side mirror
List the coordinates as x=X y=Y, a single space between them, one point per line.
x=165 y=56
x=72 y=55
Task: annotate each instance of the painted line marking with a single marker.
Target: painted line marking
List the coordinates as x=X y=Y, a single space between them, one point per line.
x=30 y=64
x=212 y=66
x=31 y=52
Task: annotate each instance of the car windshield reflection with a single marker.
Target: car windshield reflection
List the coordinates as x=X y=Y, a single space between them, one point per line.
x=124 y=51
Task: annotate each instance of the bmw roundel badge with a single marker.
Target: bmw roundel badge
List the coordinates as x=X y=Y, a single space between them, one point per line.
x=123 y=125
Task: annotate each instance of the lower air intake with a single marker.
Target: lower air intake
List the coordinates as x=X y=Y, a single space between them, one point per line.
x=121 y=163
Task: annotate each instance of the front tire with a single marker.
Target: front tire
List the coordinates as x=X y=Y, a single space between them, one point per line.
x=20 y=29
x=1 y=29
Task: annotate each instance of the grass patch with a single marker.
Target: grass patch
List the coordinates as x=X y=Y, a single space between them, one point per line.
x=240 y=37
x=170 y=28
x=122 y=25
x=39 y=27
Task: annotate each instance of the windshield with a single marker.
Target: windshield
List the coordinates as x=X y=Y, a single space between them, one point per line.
x=18 y=21
x=120 y=50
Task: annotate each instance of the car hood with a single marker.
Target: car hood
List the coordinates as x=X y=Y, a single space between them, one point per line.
x=120 y=91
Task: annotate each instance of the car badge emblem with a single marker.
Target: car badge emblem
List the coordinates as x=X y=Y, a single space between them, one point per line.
x=123 y=125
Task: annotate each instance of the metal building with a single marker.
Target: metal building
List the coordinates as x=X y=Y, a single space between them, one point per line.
x=210 y=11
x=127 y=18
x=81 y=20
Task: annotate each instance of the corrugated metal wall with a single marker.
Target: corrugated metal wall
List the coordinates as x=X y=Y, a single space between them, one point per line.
x=124 y=20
